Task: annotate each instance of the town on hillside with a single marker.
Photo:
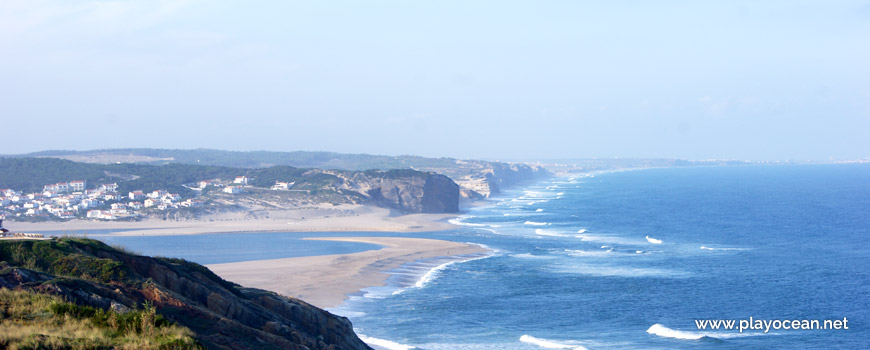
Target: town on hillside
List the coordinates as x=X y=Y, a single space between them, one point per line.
x=75 y=199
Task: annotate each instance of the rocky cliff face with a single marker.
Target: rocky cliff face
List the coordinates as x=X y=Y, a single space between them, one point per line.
x=405 y=190
x=223 y=315
x=440 y=195
x=491 y=177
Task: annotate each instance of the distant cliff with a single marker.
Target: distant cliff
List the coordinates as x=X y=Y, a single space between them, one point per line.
x=492 y=177
x=221 y=314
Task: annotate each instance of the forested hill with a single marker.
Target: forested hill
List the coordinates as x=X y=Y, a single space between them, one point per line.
x=31 y=174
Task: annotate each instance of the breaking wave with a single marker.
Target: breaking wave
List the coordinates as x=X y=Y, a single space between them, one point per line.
x=390 y=345
x=549 y=344
x=724 y=248
x=543 y=232
x=662 y=331
x=653 y=240
x=533 y=223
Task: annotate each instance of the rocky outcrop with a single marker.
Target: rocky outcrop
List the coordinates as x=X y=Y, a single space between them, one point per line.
x=409 y=191
x=223 y=315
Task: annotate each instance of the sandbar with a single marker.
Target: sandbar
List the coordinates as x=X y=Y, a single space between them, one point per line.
x=326 y=280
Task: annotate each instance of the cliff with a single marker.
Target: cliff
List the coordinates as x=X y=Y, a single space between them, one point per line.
x=221 y=315
x=405 y=190
x=490 y=178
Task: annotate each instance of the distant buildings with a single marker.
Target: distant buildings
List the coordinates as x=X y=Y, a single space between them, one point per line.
x=241 y=180
x=213 y=182
x=282 y=186
x=136 y=195
x=233 y=189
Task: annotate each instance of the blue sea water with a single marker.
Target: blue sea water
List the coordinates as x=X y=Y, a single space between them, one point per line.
x=624 y=260
x=574 y=268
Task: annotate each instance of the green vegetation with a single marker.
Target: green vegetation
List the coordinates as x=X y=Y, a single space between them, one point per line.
x=30 y=320
x=65 y=257
x=304 y=180
x=31 y=174
x=78 y=293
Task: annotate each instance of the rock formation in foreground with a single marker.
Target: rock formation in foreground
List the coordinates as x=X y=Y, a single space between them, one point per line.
x=222 y=315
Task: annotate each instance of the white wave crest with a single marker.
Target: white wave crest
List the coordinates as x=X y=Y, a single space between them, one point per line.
x=662 y=331
x=549 y=344
x=533 y=223
x=539 y=210
x=459 y=222
x=434 y=272
x=582 y=230
x=543 y=232
x=711 y=248
x=431 y=274
x=653 y=240
x=391 y=345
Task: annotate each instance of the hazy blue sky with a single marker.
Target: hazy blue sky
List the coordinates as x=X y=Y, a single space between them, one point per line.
x=471 y=79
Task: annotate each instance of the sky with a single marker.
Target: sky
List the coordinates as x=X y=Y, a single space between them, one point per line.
x=749 y=80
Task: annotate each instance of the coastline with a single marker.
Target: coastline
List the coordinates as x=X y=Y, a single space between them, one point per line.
x=326 y=281
x=342 y=218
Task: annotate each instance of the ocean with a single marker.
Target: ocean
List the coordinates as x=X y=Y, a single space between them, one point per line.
x=630 y=260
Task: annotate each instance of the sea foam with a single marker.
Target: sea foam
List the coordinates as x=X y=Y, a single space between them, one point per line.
x=549 y=344
x=653 y=240
x=391 y=345
x=433 y=273
x=724 y=248
x=533 y=223
x=662 y=331
x=543 y=232
x=459 y=222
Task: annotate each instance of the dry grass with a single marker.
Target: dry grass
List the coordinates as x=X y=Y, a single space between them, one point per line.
x=35 y=321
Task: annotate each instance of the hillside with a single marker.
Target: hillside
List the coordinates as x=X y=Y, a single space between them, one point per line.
x=478 y=178
x=408 y=191
x=31 y=320
x=102 y=281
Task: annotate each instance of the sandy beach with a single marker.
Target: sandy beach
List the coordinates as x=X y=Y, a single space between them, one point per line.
x=326 y=280
x=324 y=218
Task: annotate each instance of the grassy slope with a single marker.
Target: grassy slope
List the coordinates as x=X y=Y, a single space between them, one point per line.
x=30 y=320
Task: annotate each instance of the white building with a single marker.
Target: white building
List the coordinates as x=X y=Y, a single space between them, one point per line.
x=77 y=185
x=282 y=186
x=136 y=195
x=158 y=194
x=242 y=180
x=233 y=189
